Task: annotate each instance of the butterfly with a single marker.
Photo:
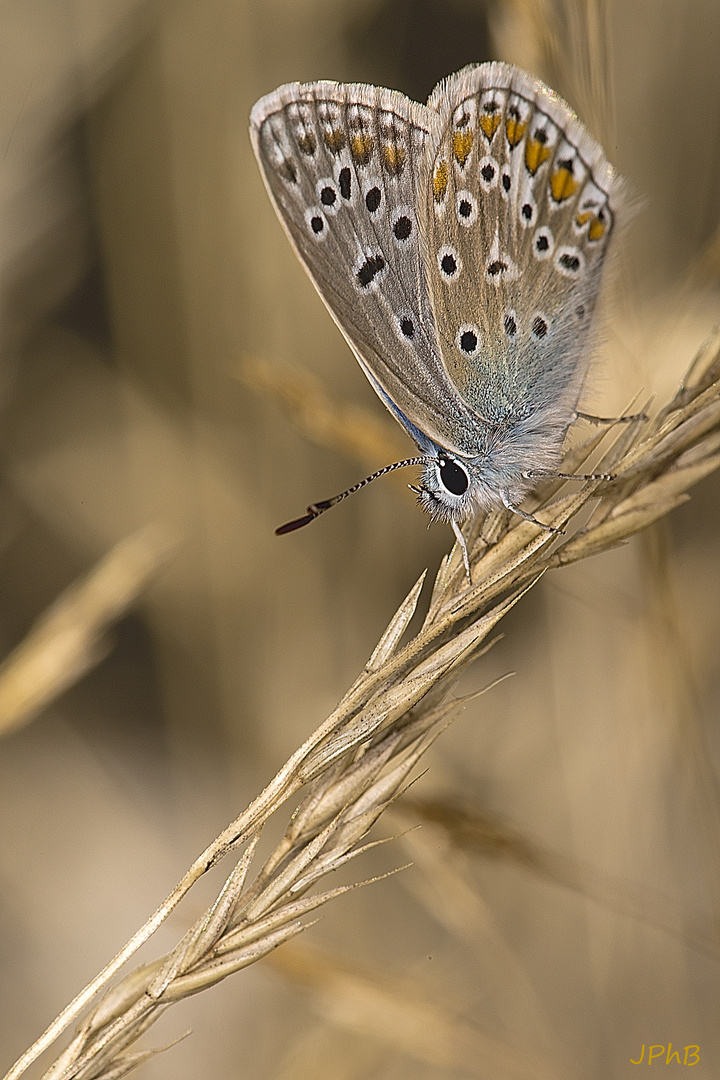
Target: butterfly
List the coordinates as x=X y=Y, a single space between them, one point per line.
x=459 y=247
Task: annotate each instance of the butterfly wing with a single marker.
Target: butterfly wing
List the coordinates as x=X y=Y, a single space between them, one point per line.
x=517 y=209
x=342 y=164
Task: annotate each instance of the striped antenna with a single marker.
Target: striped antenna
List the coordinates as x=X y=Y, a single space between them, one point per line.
x=318 y=508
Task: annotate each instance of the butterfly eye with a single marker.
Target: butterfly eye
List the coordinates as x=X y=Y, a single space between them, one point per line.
x=453 y=476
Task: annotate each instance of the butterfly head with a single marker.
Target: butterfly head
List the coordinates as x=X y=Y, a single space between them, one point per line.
x=448 y=489
x=510 y=458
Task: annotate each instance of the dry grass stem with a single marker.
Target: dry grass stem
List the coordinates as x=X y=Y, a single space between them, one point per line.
x=398 y=1015
x=362 y=757
x=68 y=640
x=344 y=428
x=450 y=833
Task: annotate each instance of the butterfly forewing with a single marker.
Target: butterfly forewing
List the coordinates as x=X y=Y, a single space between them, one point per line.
x=343 y=164
x=517 y=210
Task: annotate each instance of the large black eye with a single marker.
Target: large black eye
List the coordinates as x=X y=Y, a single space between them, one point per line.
x=453 y=476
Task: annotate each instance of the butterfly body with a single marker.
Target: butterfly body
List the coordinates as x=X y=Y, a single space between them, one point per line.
x=459 y=247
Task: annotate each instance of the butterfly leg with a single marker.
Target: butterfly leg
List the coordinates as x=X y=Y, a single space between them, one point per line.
x=611 y=419
x=585 y=476
x=566 y=476
x=534 y=520
x=463 y=547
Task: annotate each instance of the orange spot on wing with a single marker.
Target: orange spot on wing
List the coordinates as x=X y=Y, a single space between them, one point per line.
x=597 y=229
x=562 y=184
x=535 y=153
x=440 y=181
x=583 y=218
x=462 y=145
x=334 y=140
x=514 y=129
x=361 y=148
x=393 y=158
x=489 y=123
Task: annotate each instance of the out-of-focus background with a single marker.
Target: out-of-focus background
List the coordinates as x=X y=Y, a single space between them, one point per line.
x=161 y=355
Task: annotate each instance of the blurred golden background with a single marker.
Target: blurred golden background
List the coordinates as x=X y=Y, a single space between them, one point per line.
x=165 y=360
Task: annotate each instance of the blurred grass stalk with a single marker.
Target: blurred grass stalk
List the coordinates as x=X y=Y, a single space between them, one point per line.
x=69 y=639
x=338 y=426
x=361 y=758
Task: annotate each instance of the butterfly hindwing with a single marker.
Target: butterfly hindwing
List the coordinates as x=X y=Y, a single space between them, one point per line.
x=517 y=209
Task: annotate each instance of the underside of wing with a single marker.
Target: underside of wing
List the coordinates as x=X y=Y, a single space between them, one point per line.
x=518 y=204
x=342 y=164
